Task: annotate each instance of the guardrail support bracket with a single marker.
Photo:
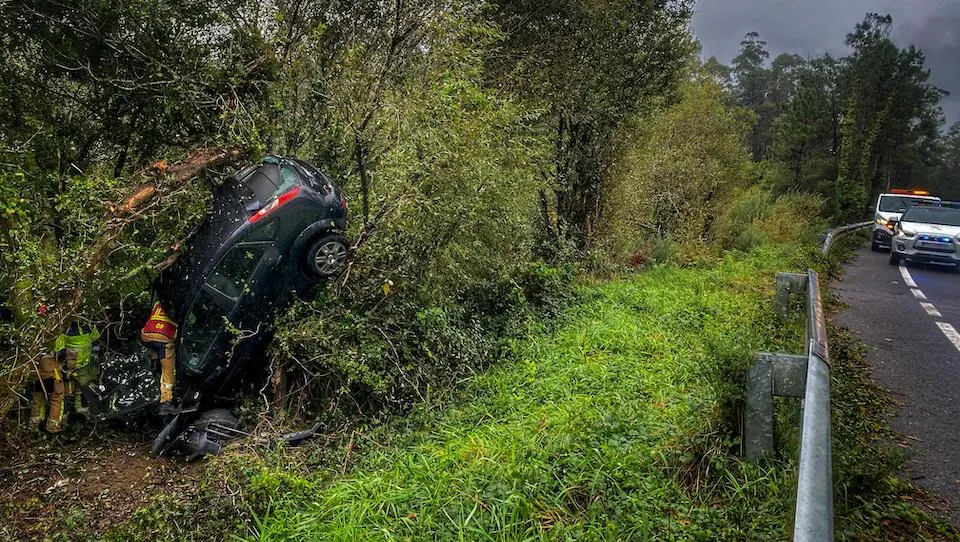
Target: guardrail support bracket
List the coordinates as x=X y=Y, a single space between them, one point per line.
x=782 y=375
x=786 y=284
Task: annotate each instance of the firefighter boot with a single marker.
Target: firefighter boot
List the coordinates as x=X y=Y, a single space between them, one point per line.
x=167 y=376
x=38 y=406
x=51 y=382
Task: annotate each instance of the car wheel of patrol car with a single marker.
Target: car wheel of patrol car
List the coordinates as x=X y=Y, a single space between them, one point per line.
x=327 y=256
x=894 y=257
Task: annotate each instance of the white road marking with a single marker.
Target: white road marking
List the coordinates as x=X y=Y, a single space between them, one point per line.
x=931 y=310
x=951 y=333
x=918 y=294
x=906 y=276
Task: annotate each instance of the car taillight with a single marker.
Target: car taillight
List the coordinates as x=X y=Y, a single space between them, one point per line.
x=275 y=204
x=343 y=202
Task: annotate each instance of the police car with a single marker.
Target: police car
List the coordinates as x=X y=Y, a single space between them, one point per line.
x=889 y=208
x=927 y=234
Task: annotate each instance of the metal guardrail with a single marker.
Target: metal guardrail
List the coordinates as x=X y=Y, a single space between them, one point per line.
x=806 y=376
x=832 y=234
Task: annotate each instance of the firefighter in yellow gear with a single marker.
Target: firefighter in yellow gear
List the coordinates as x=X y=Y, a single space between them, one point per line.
x=75 y=349
x=48 y=391
x=159 y=335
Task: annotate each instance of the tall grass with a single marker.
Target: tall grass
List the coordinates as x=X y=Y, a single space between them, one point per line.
x=614 y=426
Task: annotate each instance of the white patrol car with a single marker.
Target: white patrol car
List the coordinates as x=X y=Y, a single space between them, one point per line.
x=927 y=234
x=889 y=208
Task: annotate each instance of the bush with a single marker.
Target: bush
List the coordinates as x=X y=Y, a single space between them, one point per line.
x=677 y=169
x=755 y=217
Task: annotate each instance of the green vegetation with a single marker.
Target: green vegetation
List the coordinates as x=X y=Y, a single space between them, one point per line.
x=618 y=423
x=488 y=366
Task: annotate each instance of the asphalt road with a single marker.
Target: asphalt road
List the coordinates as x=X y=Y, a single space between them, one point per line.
x=909 y=317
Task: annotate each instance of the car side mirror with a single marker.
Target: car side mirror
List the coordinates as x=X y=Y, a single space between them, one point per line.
x=253 y=206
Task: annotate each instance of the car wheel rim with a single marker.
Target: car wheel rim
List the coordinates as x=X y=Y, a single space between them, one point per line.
x=331 y=257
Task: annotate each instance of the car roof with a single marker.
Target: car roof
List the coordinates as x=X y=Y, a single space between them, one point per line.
x=914 y=196
x=934 y=209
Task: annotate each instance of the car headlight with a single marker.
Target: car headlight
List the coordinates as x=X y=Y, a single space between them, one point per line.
x=882 y=221
x=905 y=233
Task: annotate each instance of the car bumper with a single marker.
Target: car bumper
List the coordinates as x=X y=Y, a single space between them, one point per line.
x=882 y=236
x=905 y=249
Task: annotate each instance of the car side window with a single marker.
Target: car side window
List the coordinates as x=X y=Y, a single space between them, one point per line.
x=203 y=322
x=232 y=274
x=266 y=232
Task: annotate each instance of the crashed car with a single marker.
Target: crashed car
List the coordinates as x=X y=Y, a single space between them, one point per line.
x=275 y=228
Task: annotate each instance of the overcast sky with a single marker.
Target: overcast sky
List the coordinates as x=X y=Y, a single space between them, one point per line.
x=813 y=27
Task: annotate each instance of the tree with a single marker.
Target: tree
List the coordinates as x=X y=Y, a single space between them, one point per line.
x=588 y=66
x=84 y=81
x=719 y=73
x=807 y=134
x=891 y=114
x=945 y=178
x=752 y=86
x=678 y=168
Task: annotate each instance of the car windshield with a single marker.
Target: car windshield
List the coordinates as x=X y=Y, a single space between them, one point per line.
x=898 y=204
x=943 y=216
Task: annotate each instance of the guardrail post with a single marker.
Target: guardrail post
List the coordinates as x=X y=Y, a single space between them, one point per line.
x=758 y=415
x=781 y=375
x=786 y=284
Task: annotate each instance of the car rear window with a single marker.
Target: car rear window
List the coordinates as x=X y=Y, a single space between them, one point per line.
x=265 y=183
x=943 y=216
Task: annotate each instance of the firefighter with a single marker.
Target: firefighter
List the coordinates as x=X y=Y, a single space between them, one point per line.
x=159 y=335
x=48 y=391
x=75 y=350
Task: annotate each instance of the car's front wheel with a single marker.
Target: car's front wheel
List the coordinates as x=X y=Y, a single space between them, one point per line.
x=327 y=255
x=894 y=257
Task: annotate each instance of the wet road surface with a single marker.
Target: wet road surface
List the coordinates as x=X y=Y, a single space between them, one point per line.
x=909 y=316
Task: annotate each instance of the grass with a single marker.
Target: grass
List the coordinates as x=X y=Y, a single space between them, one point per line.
x=619 y=422
x=616 y=425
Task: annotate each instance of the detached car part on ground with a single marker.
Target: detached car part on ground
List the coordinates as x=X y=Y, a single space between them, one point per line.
x=275 y=228
x=929 y=235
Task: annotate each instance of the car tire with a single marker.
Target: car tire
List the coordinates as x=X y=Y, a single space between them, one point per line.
x=327 y=255
x=874 y=246
x=894 y=257
x=220 y=416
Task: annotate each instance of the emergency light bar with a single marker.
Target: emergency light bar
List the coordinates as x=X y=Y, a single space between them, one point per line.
x=909 y=192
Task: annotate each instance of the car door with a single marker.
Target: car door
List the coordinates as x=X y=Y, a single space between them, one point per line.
x=213 y=323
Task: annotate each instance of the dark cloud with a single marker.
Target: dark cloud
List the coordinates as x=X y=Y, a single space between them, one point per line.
x=939 y=37
x=815 y=27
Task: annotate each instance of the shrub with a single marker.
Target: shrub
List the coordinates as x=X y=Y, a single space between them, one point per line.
x=755 y=216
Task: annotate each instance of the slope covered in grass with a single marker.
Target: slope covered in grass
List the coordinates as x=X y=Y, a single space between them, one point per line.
x=616 y=425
